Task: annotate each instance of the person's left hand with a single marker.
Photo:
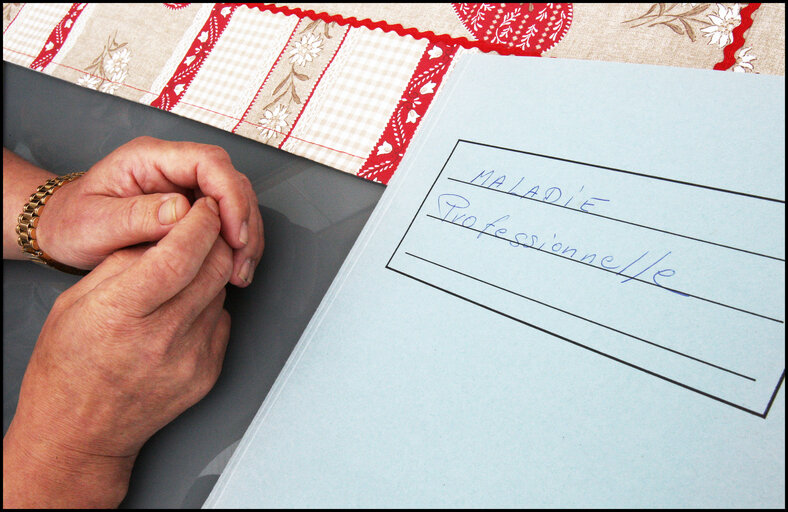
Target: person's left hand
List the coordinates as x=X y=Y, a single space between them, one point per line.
x=137 y=193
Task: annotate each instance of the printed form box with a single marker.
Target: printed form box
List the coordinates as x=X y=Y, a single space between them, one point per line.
x=683 y=281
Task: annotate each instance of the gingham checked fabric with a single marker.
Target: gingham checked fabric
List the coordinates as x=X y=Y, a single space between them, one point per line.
x=351 y=107
x=31 y=32
x=347 y=85
x=227 y=63
x=227 y=81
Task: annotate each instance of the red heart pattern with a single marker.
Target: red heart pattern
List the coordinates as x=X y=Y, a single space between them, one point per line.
x=534 y=28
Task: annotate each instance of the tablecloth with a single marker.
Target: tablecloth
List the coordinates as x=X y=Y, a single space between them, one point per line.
x=347 y=85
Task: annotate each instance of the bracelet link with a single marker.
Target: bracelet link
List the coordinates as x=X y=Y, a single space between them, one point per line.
x=27 y=222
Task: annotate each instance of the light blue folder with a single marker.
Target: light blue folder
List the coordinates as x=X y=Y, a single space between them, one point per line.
x=572 y=294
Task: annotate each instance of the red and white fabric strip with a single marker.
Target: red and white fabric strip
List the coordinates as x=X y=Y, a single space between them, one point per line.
x=56 y=38
x=195 y=56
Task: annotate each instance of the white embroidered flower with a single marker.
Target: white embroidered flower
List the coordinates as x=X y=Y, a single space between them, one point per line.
x=306 y=49
x=117 y=62
x=721 y=32
x=89 y=81
x=120 y=76
x=109 y=87
x=743 y=61
x=273 y=123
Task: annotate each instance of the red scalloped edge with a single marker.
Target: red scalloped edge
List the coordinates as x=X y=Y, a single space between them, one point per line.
x=397 y=28
x=729 y=52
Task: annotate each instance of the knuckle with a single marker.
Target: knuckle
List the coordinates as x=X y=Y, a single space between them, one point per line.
x=210 y=223
x=175 y=329
x=62 y=302
x=202 y=388
x=197 y=372
x=186 y=370
x=220 y=268
x=107 y=313
x=215 y=153
x=225 y=251
x=137 y=215
x=141 y=141
x=163 y=264
x=245 y=181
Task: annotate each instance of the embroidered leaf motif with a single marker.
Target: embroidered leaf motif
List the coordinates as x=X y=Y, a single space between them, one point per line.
x=680 y=23
x=300 y=76
x=109 y=70
x=274 y=101
x=674 y=28
x=280 y=86
x=695 y=10
x=310 y=25
x=689 y=29
x=650 y=10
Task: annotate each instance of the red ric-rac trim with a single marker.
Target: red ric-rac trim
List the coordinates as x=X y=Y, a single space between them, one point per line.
x=199 y=50
x=56 y=39
x=424 y=83
x=728 y=54
x=443 y=39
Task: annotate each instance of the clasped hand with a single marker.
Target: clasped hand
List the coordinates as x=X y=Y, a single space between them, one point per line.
x=137 y=193
x=142 y=337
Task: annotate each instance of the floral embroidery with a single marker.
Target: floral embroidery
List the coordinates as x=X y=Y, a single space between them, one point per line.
x=306 y=49
x=743 y=60
x=721 y=32
x=302 y=52
x=273 y=123
x=109 y=70
x=89 y=81
x=681 y=23
x=117 y=64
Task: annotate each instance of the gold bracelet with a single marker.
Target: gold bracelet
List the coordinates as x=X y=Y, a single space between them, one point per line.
x=28 y=221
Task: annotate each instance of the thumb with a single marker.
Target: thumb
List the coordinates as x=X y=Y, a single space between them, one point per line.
x=143 y=218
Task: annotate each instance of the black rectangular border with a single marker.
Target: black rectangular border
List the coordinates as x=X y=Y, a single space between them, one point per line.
x=762 y=414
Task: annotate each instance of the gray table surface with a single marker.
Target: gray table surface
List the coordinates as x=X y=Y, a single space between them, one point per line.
x=312 y=216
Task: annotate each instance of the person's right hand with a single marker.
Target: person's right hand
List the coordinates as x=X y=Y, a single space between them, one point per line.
x=138 y=192
x=124 y=351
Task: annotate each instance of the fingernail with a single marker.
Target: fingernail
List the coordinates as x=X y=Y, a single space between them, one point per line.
x=167 y=211
x=244 y=273
x=211 y=202
x=244 y=234
x=251 y=271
